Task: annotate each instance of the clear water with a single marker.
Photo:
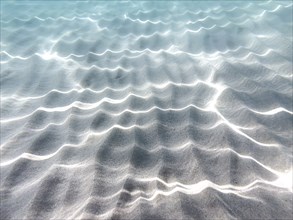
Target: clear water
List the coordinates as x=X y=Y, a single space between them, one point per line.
x=146 y=109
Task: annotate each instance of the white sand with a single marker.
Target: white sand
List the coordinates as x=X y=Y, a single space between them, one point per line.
x=140 y=110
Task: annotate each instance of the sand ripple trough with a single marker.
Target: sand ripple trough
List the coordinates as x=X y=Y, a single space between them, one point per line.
x=146 y=110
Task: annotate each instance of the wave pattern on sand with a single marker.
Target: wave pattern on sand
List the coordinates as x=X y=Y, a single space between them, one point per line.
x=146 y=110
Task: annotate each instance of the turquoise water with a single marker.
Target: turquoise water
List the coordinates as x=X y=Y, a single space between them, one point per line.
x=146 y=110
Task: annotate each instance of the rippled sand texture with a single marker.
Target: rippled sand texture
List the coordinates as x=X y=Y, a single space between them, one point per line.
x=146 y=110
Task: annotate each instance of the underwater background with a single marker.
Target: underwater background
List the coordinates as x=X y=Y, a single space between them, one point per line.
x=146 y=110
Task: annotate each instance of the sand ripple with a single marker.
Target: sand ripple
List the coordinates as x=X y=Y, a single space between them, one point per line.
x=146 y=110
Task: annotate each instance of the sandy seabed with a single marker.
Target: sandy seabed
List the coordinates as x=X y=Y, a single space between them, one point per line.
x=146 y=110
